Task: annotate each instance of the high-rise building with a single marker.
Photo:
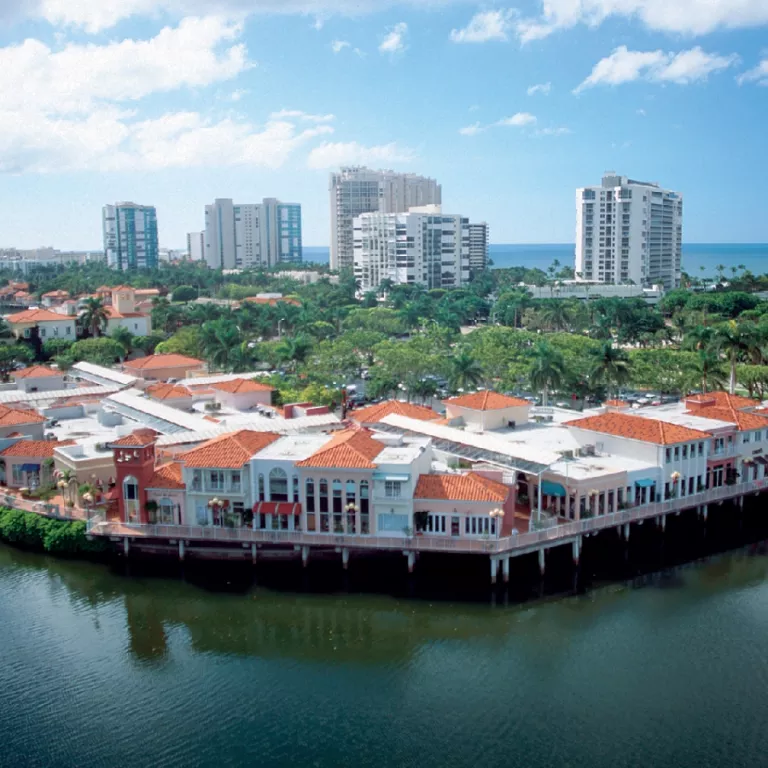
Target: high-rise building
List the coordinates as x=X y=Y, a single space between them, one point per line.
x=478 y=246
x=243 y=236
x=629 y=231
x=422 y=246
x=130 y=236
x=195 y=246
x=354 y=191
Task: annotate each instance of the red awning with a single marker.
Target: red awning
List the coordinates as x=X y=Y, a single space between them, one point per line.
x=276 y=508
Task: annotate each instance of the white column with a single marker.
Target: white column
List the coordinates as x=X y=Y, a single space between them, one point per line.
x=542 y=561
x=505 y=568
x=494 y=569
x=345 y=557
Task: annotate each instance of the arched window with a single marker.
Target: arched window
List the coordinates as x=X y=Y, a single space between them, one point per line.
x=365 y=519
x=350 y=505
x=278 y=485
x=130 y=489
x=338 y=503
x=323 y=506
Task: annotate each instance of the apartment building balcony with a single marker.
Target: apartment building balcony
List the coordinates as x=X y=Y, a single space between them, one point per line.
x=208 y=487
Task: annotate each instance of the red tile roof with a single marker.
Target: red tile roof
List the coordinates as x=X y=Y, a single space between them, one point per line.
x=229 y=451
x=486 y=401
x=161 y=391
x=113 y=313
x=162 y=361
x=469 y=487
x=60 y=294
x=350 y=449
x=37 y=316
x=11 y=417
x=375 y=413
x=744 y=420
x=272 y=302
x=720 y=400
x=242 y=386
x=137 y=438
x=36 y=372
x=167 y=476
x=42 y=449
x=638 y=428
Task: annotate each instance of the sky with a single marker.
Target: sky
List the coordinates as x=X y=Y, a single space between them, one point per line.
x=174 y=103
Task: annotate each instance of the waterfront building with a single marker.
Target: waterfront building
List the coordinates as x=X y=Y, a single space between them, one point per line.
x=358 y=190
x=196 y=246
x=422 y=246
x=248 y=236
x=479 y=241
x=629 y=231
x=130 y=236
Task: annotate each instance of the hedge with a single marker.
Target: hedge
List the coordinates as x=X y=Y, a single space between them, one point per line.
x=61 y=537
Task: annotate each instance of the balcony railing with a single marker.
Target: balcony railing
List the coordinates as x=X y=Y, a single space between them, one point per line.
x=515 y=544
x=208 y=487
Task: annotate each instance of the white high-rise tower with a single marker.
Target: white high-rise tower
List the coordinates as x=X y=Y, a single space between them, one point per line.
x=355 y=191
x=629 y=231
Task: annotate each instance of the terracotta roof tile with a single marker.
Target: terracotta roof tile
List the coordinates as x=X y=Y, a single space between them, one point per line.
x=469 y=487
x=60 y=294
x=114 y=314
x=10 y=417
x=161 y=391
x=272 y=302
x=720 y=400
x=35 y=448
x=742 y=419
x=167 y=476
x=638 y=428
x=162 y=361
x=350 y=449
x=137 y=438
x=486 y=401
x=36 y=372
x=229 y=451
x=375 y=413
x=37 y=316
x=242 y=386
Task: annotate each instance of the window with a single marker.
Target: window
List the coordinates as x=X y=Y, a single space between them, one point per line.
x=278 y=485
x=365 y=525
x=701 y=449
x=235 y=481
x=216 y=479
x=747 y=437
x=668 y=455
x=309 y=490
x=261 y=487
x=130 y=489
x=69 y=330
x=685 y=451
x=350 y=506
x=42 y=333
x=324 y=519
x=338 y=525
x=392 y=489
x=18 y=478
x=197 y=480
x=677 y=453
x=295 y=488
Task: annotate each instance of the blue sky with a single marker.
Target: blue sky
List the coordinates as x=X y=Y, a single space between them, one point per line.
x=176 y=102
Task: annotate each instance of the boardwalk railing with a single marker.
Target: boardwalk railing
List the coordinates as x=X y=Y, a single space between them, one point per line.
x=30 y=505
x=509 y=544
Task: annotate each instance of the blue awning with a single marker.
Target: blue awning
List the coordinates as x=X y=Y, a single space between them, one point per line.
x=30 y=467
x=645 y=483
x=548 y=488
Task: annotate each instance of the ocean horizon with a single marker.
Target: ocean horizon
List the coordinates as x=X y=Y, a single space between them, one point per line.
x=699 y=259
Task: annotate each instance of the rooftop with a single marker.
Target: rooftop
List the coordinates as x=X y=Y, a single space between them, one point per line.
x=101 y=374
x=37 y=448
x=242 y=386
x=375 y=413
x=167 y=476
x=350 y=449
x=37 y=316
x=10 y=417
x=151 y=362
x=293 y=447
x=638 y=428
x=487 y=400
x=721 y=400
x=36 y=372
x=161 y=391
x=230 y=451
x=469 y=487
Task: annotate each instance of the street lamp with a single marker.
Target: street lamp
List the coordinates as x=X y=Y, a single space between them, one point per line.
x=216 y=504
x=497 y=514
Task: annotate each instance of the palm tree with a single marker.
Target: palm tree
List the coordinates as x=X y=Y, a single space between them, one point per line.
x=548 y=370
x=601 y=328
x=734 y=341
x=294 y=350
x=610 y=367
x=465 y=372
x=94 y=316
x=556 y=315
x=707 y=370
x=124 y=338
x=219 y=339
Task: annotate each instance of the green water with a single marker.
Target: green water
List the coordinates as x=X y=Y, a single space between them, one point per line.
x=102 y=670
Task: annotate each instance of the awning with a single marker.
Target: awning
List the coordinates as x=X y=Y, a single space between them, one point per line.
x=645 y=482
x=30 y=467
x=276 y=508
x=392 y=478
x=548 y=488
x=760 y=459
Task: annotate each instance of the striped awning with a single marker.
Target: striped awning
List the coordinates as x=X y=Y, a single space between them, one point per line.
x=276 y=508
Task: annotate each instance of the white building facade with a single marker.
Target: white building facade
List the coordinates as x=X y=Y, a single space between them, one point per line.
x=430 y=248
x=243 y=236
x=359 y=190
x=130 y=236
x=478 y=246
x=629 y=231
x=196 y=246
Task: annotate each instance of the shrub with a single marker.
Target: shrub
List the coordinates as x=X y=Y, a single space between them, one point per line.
x=184 y=293
x=56 y=536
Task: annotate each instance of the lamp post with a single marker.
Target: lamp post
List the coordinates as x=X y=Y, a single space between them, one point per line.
x=498 y=515
x=216 y=506
x=351 y=509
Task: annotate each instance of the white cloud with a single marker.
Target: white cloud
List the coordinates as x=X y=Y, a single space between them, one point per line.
x=471 y=130
x=394 y=41
x=485 y=26
x=193 y=54
x=332 y=155
x=337 y=46
x=518 y=120
x=238 y=94
x=543 y=88
x=297 y=114
x=693 y=17
x=758 y=74
x=474 y=108
x=624 y=66
x=641 y=112
x=559 y=131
